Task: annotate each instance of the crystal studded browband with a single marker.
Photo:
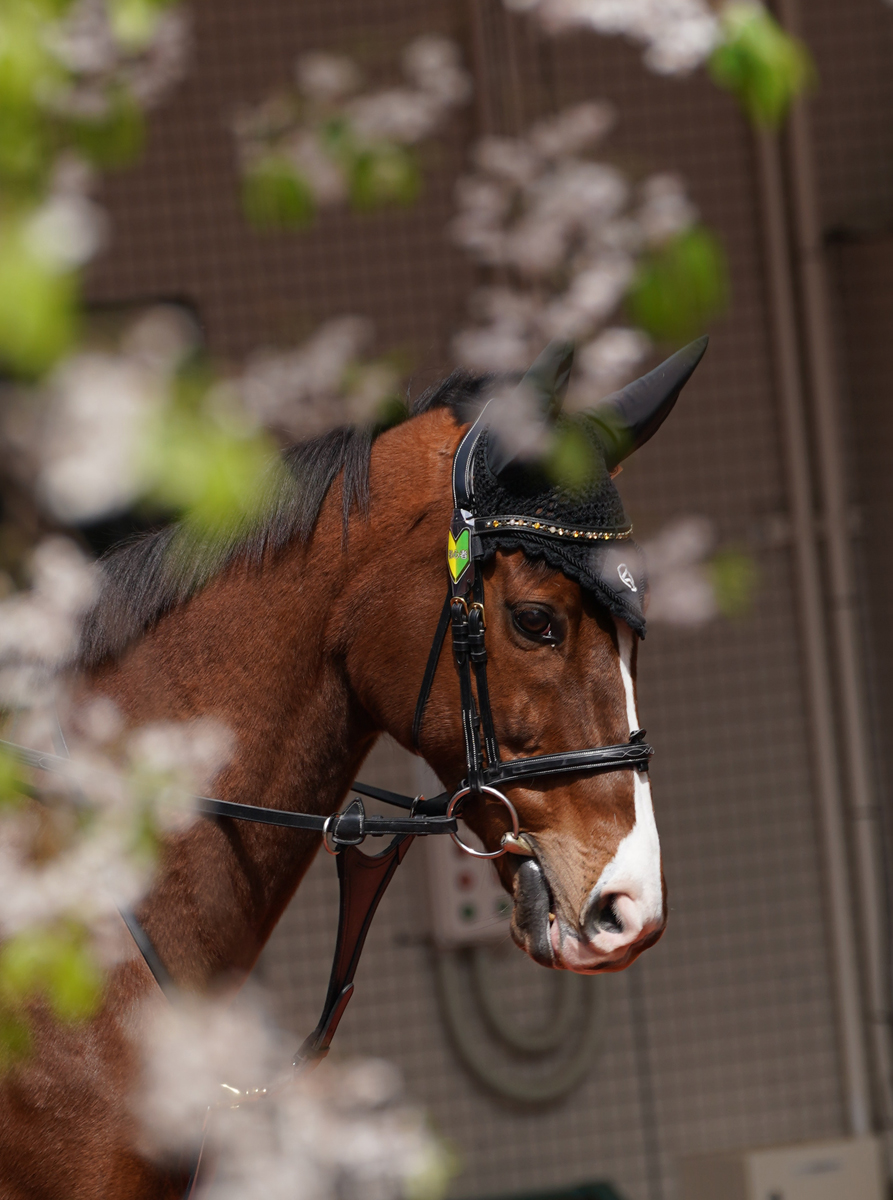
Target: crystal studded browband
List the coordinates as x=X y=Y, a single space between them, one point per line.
x=547 y=529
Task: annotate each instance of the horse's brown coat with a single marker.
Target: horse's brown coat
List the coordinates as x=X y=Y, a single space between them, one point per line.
x=306 y=661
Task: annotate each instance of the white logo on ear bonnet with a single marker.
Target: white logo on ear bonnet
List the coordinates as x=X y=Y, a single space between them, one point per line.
x=626 y=577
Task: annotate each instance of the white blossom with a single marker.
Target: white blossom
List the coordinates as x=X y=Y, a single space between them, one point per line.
x=41 y=624
x=85 y=882
x=517 y=422
x=510 y=159
x=573 y=130
x=215 y=1070
x=325 y=176
x=665 y=209
x=565 y=232
x=324 y=76
x=398 y=115
x=66 y=231
x=680 y=589
x=299 y=129
x=173 y=761
x=678 y=35
x=101 y=64
x=434 y=65
x=592 y=296
x=611 y=359
x=160 y=339
x=98 y=411
x=318 y=385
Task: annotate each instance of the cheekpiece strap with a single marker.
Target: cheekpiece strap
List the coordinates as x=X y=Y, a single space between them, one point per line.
x=462 y=546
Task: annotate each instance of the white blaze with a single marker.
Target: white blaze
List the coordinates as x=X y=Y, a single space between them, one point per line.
x=634 y=871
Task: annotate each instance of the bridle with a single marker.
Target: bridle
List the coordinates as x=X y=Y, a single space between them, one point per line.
x=364 y=878
x=464 y=613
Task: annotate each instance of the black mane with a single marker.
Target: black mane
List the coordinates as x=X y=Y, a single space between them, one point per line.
x=145 y=577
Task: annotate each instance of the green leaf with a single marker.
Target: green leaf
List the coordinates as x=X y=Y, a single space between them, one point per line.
x=437 y=1168
x=217 y=475
x=26 y=150
x=275 y=195
x=26 y=66
x=679 y=286
x=114 y=140
x=760 y=63
x=15 y=1038
x=735 y=578
x=13 y=789
x=56 y=965
x=133 y=22
x=572 y=461
x=38 y=315
x=383 y=174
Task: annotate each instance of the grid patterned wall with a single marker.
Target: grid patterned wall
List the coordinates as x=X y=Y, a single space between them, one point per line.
x=724 y=1034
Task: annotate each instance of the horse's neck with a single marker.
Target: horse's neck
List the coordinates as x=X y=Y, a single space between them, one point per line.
x=300 y=662
x=253 y=651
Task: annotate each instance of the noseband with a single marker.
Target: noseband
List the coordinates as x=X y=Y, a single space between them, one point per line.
x=364 y=878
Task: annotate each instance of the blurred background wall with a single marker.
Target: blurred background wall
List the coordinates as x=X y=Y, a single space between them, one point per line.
x=726 y=1033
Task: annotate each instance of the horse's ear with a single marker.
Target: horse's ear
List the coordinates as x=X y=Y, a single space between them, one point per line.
x=546 y=383
x=628 y=418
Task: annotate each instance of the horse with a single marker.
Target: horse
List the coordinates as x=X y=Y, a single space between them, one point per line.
x=308 y=642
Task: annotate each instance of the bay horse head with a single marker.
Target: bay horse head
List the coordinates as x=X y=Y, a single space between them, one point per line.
x=559 y=588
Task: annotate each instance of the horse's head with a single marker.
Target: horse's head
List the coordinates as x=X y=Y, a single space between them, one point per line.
x=562 y=589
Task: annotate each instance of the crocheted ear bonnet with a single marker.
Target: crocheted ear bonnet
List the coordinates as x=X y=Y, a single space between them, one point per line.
x=505 y=499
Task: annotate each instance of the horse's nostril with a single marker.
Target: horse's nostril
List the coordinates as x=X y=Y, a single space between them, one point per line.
x=605 y=917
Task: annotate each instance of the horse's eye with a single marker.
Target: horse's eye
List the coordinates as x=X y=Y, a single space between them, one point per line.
x=535 y=622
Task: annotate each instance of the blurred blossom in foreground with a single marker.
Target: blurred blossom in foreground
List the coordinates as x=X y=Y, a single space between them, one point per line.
x=748 y=52
x=115 y=54
x=331 y=142
x=679 y=587
x=690 y=582
x=132 y=790
x=78 y=437
x=343 y=1131
x=320 y=384
x=39 y=626
x=678 y=35
x=568 y=236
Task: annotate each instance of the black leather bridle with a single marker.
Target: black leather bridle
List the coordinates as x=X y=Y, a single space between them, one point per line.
x=364 y=878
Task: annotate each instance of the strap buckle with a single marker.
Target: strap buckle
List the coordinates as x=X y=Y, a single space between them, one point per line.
x=354 y=813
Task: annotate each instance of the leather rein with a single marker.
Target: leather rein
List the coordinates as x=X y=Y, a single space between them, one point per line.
x=364 y=878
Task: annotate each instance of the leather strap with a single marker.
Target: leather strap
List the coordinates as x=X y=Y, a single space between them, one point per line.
x=470 y=720
x=363 y=880
x=477 y=650
x=632 y=755
x=148 y=951
x=345 y=828
x=430 y=669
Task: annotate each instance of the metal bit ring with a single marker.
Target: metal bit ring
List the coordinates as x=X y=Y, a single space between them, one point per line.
x=497 y=795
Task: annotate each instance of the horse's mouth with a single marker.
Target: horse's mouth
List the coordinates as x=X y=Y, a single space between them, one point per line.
x=534 y=911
